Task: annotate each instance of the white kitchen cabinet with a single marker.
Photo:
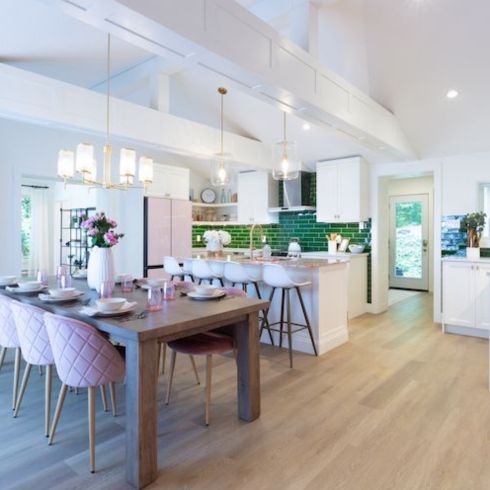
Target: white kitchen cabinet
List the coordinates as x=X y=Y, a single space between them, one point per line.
x=169 y=182
x=342 y=191
x=466 y=294
x=257 y=192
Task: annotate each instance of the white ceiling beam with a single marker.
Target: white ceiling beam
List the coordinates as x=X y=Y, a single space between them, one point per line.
x=34 y=98
x=225 y=38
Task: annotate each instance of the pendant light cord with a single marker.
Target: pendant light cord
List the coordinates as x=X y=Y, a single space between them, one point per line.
x=285 y=141
x=221 y=120
x=108 y=86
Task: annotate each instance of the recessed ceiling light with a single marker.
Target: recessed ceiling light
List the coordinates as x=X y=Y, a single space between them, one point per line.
x=452 y=94
x=306 y=126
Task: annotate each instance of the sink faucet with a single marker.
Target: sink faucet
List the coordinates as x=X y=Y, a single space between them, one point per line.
x=252 y=229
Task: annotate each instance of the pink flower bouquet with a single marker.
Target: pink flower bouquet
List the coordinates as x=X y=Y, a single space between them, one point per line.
x=100 y=230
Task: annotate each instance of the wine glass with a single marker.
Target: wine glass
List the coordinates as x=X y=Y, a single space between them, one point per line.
x=106 y=289
x=154 y=299
x=127 y=283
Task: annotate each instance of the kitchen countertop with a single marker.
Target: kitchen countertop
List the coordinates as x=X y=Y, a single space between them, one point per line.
x=236 y=252
x=303 y=263
x=459 y=258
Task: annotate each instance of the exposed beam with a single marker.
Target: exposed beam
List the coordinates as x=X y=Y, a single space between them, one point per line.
x=227 y=39
x=30 y=97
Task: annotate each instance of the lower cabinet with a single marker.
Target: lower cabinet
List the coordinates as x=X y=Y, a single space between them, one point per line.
x=466 y=294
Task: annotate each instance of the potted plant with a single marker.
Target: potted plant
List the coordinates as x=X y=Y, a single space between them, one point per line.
x=102 y=237
x=215 y=239
x=473 y=224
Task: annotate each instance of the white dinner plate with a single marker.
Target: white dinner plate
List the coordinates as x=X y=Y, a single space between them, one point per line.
x=219 y=293
x=50 y=299
x=17 y=290
x=93 y=311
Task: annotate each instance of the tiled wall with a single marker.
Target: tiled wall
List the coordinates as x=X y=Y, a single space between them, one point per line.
x=453 y=240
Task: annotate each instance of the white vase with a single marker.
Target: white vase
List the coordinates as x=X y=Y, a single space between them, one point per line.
x=473 y=252
x=100 y=267
x=214 y=246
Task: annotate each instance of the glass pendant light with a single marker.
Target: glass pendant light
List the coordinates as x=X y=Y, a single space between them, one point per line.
x=66 y=164
x=220 y=169
x=145 y=170
x=286 y=165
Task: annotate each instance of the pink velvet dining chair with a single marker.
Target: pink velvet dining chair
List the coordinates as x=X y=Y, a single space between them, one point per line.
x=84 y=358
x=36 y=351
x=9 y=340
x=203 y=344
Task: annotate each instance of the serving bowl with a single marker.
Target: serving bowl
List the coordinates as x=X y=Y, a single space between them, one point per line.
x=30 y=285
x=109 y=305
x=7 y=280
x=156 y=283
x=62 y=293
x=356 y=249
x=205 y=289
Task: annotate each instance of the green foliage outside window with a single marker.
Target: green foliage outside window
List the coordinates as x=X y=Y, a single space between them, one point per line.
x=26 y=213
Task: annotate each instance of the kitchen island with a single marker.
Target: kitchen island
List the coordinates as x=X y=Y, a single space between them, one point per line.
x=325 y=298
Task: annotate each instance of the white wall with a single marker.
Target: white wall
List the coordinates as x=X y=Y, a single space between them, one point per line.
x=420 y=185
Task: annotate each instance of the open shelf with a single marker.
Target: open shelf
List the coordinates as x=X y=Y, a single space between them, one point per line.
x=214 y=205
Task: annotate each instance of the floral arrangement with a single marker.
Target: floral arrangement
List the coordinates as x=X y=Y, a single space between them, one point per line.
x=473 y=224
x=220 y=236
x=100 y=229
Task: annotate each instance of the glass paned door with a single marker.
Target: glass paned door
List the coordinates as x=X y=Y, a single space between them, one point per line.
x=409 y=242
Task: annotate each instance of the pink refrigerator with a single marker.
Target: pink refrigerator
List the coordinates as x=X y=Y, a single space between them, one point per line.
x=167 y=231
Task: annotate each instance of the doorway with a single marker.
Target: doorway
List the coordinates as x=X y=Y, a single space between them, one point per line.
x=409 y=242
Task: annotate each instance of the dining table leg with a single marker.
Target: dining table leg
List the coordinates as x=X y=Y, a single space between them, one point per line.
x=141 y=412
x=247 y=344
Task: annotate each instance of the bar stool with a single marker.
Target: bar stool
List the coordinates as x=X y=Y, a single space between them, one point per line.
x=202 y=271
x=172 y=267
x=187 y=268
x=36 y=351
x=276 y=277
x=205 y=344
x=9 y=340
x=237 y=274
x=84 y=359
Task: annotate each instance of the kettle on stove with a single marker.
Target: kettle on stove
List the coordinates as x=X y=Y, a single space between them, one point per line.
x=294 y=248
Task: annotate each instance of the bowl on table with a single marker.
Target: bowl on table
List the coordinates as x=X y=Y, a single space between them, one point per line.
x=205 y=289
x=156 y=283
x=7 y=280
x=110 y=305
x=30 y=285
x=356 y=249
x=62 y=293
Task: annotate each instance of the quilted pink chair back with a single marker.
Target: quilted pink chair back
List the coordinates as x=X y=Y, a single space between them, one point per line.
x=83 y=357
x=235 y=292
x=33 y=338
x=8 y=330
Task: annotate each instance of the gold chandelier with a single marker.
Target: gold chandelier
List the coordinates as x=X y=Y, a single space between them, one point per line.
x=83 y=162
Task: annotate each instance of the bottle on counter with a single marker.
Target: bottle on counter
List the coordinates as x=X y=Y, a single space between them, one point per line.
x=266 y=251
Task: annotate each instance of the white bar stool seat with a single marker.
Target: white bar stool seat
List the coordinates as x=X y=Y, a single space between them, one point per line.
x=172 y=267
x=202 y=271
x=276 y=277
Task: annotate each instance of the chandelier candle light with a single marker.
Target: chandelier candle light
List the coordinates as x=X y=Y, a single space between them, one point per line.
x=220 y=173
x=83 y=161
x=286 y=163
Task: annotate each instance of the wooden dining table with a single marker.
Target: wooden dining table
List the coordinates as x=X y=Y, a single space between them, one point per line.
x=178 y=318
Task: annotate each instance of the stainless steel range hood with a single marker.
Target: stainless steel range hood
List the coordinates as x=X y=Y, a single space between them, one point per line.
x=295 y=195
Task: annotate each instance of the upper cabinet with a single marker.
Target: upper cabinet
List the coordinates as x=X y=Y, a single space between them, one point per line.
x=170 y=182
x=342 y=191
x=257 y=192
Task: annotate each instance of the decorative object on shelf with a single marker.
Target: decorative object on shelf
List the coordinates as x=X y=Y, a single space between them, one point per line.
x=286 y=165
x=220 y=169
x=473 y=224
x=208 y=196
x=100 y=269
x=215 y=240
x=84 y=163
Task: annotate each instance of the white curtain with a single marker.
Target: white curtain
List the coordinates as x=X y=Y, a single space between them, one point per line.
x=39 y=256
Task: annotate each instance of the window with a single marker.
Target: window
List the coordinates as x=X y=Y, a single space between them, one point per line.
x=26 y=231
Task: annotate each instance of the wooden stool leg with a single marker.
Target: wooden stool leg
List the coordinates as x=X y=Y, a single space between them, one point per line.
x=47 y=399
x=3 y=351
x=23 y=386
x=193 y=362
x=281 y=326
x=104 y=397
x=112 y=393
x=290 y=337
x=15 y=390
x=307 y=320
x=209 y=369
x=91 y=426
x=171 y=377
x=57 y=412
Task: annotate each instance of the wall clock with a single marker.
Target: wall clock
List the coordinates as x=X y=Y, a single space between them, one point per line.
x=208 y=196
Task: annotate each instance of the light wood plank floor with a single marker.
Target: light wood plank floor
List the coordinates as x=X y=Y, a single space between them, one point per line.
x=401 y=406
